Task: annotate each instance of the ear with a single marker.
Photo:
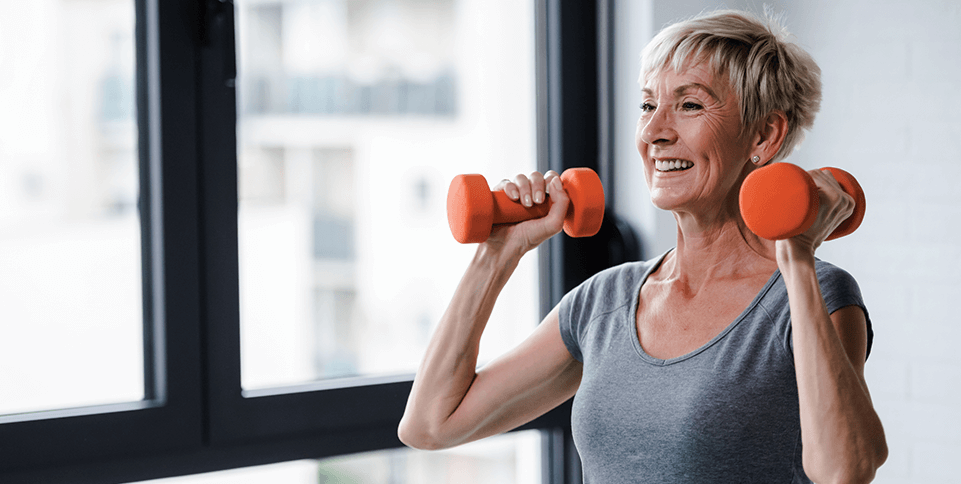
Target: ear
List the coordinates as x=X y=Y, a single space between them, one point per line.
x=769 y=136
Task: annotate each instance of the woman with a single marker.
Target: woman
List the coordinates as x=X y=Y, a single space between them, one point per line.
x=728 y=359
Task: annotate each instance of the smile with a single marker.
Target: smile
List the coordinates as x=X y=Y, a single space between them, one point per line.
x=672 y=165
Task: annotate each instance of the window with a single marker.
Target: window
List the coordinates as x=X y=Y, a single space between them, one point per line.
x=91 y=194
x=70 y=231
x=238 y=181
x=353 y=118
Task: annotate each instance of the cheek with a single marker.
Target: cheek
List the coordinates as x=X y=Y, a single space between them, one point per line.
x=725 y=136
x=641 y=146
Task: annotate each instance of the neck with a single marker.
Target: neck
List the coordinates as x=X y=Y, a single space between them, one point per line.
x=717 y=252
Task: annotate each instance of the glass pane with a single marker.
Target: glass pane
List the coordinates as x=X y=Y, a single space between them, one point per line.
x=70 y=255
x=507 y=459
x=355 y=115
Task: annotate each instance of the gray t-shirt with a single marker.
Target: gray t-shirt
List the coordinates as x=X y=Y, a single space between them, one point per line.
x=726 y=412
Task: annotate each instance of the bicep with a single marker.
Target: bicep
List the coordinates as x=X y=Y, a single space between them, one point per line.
x=519 y=386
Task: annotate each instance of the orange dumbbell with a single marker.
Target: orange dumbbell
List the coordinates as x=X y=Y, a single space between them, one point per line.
x=473 y=209
x=780 y=201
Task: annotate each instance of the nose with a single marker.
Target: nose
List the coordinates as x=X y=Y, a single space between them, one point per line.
x=657 y=128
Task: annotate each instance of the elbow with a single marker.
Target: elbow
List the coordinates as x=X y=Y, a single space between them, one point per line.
x=417 y=436
x=868 y=465
x=880 y=455
x=859 y=470
x=850 y=476
x=411 y=437
x=861 y=474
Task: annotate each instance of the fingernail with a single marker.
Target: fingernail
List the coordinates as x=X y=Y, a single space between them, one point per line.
x=527 y=200
x=539 y=197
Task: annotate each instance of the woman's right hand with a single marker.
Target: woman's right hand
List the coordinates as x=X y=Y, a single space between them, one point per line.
x=532 y=190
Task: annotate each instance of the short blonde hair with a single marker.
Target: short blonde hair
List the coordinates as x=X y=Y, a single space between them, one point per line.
x=765 y=69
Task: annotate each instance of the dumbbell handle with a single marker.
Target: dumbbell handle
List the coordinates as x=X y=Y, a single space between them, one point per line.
x=507 y=211
x=780 y=201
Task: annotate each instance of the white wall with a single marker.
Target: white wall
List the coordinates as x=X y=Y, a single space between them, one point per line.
x=891 y=116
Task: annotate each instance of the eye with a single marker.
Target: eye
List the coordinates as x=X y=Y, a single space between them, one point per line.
x=691 y=106
x=647 y=107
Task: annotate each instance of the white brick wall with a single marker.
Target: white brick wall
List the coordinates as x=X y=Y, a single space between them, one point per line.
x=891 y=116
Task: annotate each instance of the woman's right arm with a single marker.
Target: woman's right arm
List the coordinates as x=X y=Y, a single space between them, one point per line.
x=451 y=402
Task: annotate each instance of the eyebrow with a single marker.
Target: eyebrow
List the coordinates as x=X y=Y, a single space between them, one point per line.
x=681 y=90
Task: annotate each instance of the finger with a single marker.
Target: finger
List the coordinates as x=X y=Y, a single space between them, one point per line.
x=549 y=175
x=523 y=185
x=832 y=191
x=835 y=206
x=507 y=187
x=560 y=200
x=539 y=230
x=549 y=178
x=824 y=179
x=538 y=189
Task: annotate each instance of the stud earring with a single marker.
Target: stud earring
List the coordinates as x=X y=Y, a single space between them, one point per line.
x=756 y=159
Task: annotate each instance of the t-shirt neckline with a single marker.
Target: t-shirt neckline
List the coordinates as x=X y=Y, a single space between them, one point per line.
x=632 y=318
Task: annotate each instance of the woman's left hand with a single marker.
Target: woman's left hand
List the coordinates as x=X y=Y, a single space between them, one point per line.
x=835 y=207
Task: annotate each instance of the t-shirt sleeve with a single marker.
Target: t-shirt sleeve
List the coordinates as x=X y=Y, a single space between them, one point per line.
x=571 y=324
x=606 y=291
x=840 y=290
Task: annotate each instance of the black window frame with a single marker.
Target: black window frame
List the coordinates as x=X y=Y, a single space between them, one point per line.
x=196 y=418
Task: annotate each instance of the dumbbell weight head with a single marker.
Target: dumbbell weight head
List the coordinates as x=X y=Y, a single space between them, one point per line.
x=470 y=209
x=585 y=214
x=779 y=201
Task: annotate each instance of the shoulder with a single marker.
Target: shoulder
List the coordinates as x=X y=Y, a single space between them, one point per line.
x=626 y=274
x=837 y=286
x=836 y=283
x=839 y=289
x=613 y=286
x=829 y=271
x=601 y=294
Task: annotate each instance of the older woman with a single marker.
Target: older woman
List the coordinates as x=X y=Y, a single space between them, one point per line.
x=728 y=359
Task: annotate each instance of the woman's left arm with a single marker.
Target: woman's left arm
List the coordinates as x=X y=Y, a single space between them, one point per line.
x=842 y=436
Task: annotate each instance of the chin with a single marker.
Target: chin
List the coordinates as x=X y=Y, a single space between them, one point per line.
x=665 y=202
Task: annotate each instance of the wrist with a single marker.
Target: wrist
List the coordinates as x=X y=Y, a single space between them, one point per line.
x=497 y=257
x=792 y=256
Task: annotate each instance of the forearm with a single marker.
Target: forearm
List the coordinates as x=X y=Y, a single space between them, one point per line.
x=842 y=436
x=449 y=365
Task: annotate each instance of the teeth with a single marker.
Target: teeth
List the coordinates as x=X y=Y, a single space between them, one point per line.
x=672 y=165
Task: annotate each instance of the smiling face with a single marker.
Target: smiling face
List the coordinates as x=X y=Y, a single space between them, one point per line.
x=690 y=139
